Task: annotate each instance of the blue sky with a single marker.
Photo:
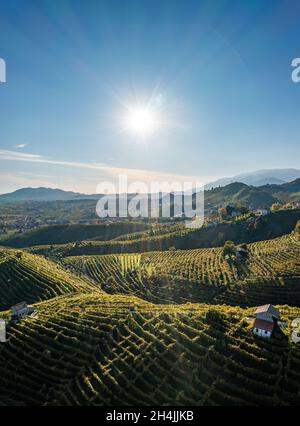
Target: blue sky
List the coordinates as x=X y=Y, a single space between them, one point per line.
x=218 y=74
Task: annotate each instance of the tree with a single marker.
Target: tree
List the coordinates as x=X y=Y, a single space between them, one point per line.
x=223 y=212
x=229 y=209
x=110 y=283
x=275 y=207
x=242 y=253
x=229 y=249
x=259 y=224
x=213 y=316
x=243 y=209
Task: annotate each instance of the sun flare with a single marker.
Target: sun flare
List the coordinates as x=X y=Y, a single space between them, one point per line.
x=141 y=121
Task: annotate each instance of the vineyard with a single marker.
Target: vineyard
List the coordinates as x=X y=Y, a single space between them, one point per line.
x=166 y=327
x=163 y=238
x=93 y=349
x=149 y=211
x=271 y=274
x=27 y=277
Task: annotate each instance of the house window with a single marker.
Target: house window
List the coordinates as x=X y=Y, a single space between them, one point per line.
x=266 y=332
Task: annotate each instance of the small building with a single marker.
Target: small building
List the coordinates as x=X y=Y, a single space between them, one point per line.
x=267 y=312
x=21 y=310
x=265 y=321
x=263 y=212
x=263 y=328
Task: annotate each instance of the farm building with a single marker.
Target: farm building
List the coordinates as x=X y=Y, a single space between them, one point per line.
x=265 y=321
x=263 y=328
x=267 y=312
x=263 y=212
x=21 y=310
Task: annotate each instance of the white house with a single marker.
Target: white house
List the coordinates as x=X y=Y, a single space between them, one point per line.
x=263 y=212
x=267 y=312
x=21 y=310
x=263 y=328
x=265 y=321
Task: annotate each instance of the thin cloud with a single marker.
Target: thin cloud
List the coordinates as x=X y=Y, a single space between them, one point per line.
x=106 y=170
x=21 y=145
x=35 y=158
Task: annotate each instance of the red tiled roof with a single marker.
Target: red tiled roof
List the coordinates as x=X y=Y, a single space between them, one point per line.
x=263 y=325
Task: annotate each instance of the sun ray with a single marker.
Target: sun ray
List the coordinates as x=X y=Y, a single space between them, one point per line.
x=141 y=120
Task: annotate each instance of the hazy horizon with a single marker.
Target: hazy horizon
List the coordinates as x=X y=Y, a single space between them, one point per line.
x=221 y=179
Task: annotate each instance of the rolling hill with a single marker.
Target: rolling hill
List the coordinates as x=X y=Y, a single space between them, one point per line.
x=250 y=230
x=259 y=196
x=61 y=234
x=24 y=276
x=161 y=321
x=256 y=179
x=249 y=195
x=124 y=329
x=42 y=194
x=242 y=194
x=95 y=350
x=271 y=274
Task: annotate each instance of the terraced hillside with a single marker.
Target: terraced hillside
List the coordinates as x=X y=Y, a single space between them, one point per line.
x=154 y=230
x=240 y=231
x=91 y=349
x=150 y=328
x=24 y=276
x=272 y=274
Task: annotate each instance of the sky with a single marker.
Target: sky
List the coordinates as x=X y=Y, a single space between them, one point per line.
x=216 y=75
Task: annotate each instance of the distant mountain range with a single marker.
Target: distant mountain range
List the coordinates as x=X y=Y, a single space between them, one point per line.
x=253 y=196
x=243 y=189
x=259 y=178
x=43 y=194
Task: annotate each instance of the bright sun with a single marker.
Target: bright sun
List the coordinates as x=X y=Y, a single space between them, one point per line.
x=141 y=121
